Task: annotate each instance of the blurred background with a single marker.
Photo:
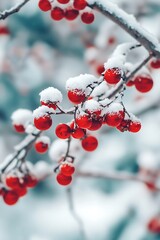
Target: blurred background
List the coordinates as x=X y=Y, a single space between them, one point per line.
x=37 y=52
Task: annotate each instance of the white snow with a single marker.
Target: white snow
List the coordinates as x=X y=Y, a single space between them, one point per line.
x=21 y=117
x=44 y=139
x=42 y=111
x=80 y=82
x=51 y=94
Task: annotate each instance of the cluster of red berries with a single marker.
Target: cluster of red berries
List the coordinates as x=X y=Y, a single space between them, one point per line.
x=67 y=9
x=143 y=83
x=154 y=225
x=66 y=170
x=15 y=187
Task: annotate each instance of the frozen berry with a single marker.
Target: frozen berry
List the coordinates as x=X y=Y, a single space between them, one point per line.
x=63 y=131
x=143 y=83
x=71 y=14
x=78 y=133
x=90 y=143
x=10 y=197
x=43 y=123
x=57 y=13
x=113 y=75
x=134 y=126
x=87 y=17
x=19 y=128
x=41 y=147
x=155 y=63
x=113 y=119
x=67 y=169
x=30 y=181
x=12 y=182
x=63 y=180
x=76 y=96
x=45 y=5
x=49 y=104
x=79 y=4
x=96 y=124
x=84 y=121
x=63 y=1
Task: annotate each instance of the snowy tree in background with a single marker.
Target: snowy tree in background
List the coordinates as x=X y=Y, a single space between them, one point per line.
x=79 y=81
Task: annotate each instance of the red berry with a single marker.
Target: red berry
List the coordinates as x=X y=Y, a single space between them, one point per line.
x=154 y=225
x=124 y=125
x=63 y=180
x=4 y=30
x=96 y=124
x=90 y=143
x=63 y=1
x=45 y=5
x=130 y=83
x=111 y=40
x=22 y=191
x=113 y=75
x=78 y=133
x=84 y=121
x=79 y=4
x=67 y=169
x=100 y=69
x=76 y=96
x=143 y=83
x=87 y=17
x=41 y=147
x=43 y=123
x=151 y=186
x=134 y=126
x=19 y=128
x=30 y=181
x=13 y=182
x=71 y=14
x=49 y=104
x=57 y=14
x=155 y=63
x=113 y=119
x=10 y=197
x=63 y=131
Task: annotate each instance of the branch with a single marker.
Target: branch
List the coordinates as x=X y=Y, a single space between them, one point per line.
x=24 y=146
x=116 y=176
x=128 y=23
x=74 y=214
x=15 y=9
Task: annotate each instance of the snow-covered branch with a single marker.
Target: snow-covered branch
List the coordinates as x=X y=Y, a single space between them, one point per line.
x=128 y=23
x=15 y=9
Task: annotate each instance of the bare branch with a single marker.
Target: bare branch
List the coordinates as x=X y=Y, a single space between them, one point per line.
x=116 y=176
x=15 y=9
x=74 y=214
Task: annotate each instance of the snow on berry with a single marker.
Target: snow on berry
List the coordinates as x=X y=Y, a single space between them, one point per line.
x=42 y=111
x=21 y=117
x=117 y=61
x=42 y=143
x=51 y=94
x=80 y=82
x=92 y=106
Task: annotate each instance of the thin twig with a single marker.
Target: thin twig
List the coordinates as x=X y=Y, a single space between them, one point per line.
x=74 y=214
x=116 y=176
